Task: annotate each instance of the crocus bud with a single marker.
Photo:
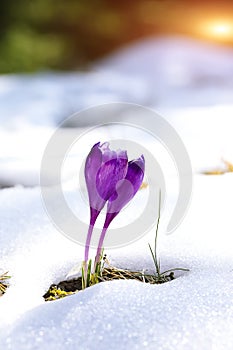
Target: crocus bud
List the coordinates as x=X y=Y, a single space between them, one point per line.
x=125 y=191
x=103 y=170
x=126 y=188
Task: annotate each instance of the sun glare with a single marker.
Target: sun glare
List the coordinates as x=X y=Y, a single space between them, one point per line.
x=222 y=29
x=219 y=30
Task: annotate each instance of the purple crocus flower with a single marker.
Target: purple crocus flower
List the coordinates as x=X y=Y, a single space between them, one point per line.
x=125 y=190
x=103 y=169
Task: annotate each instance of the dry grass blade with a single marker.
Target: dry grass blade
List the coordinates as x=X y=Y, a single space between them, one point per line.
x=112 y=273
x=3 y=284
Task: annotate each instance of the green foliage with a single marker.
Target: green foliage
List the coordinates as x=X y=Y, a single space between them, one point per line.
x=89 y=277
x=25 y=50
x=49 y=34
x=161 y=276
x=69 y=34
x=56 y=293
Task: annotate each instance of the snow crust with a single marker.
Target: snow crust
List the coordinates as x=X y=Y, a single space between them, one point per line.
x=195 y=310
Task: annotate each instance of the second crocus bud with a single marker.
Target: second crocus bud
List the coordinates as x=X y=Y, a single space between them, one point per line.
x=125 y=191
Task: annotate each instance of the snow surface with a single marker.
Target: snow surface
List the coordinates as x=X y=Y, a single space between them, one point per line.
x=194 y=311
x=190 y=84
x=179 y=72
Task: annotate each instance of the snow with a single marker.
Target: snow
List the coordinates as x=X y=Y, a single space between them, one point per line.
x=145 y=321
x=195 y=311
x=179 y=72
x=48 y=98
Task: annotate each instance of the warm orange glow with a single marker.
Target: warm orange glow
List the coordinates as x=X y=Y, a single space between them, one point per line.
x=222 y=30
x=219 y=30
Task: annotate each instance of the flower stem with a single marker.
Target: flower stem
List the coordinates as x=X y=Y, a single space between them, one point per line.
x=100 y=244
x=108 y=220
x=93 y=216
x=88 y=241
x=87 y=265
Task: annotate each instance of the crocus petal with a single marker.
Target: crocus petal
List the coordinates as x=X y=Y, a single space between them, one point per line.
x=107 y=154
x=135 y=172
x=92 y=165
x=103 y=169
x=108 y=176
x=126 y=188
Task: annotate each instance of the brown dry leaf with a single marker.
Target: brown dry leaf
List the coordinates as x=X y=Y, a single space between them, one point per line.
x=228 y=165
x=228 y=169
x=214 y=172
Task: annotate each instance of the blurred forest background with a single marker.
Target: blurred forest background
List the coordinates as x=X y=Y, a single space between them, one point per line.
x=70 y=34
